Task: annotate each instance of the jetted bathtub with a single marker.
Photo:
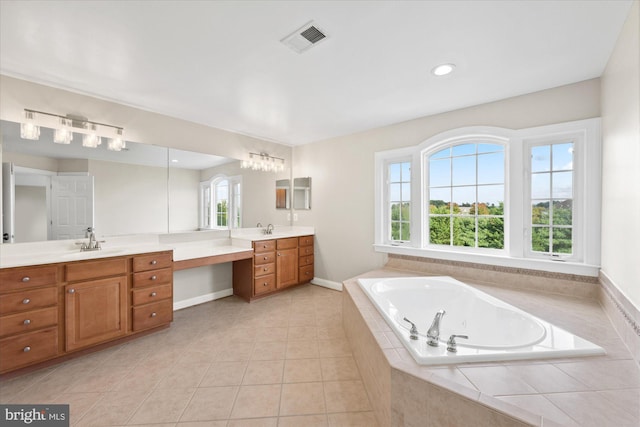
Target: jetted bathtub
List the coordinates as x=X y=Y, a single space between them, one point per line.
x=497 y=331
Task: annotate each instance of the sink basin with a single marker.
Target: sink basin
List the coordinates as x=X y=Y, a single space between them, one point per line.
x=94 y=254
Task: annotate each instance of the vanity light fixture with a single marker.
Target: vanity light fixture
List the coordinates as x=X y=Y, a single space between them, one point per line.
x=63 y=134
x=28 y=128
x=263 y=162
x=443 y=69
x=65 y=126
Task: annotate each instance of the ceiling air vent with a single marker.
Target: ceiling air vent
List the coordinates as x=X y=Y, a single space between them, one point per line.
x=305 y=37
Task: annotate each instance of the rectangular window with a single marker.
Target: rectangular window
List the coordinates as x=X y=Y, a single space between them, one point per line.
x=399 y=207
x=466 y=195
x=552 y=199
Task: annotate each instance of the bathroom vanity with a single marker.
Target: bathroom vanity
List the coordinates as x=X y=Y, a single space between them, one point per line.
x=54 y=310
x=276 y=265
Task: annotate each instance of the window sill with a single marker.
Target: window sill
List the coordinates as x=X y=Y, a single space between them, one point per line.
x=502 y=261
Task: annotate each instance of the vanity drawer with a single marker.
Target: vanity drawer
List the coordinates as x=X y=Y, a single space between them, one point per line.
x=28 y=348
x=264 y=284
x=152 y=315
x=14 y=279
x=305 y=250
x=264 y=246
x=28 y=300
x=153 y=261
x=155 y=277
x=305 y=260
x=305 y=241
x=152 y=294
x=290 y=243
x=305 y=273
x=95 y=269
x=28 y=321
x=265 y=258
x=264 y=269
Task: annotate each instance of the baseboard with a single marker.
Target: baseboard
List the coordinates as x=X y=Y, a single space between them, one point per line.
x=336 y=286
x=178 y=305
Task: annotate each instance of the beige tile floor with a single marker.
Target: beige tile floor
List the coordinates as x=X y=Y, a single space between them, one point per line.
x=280 y=361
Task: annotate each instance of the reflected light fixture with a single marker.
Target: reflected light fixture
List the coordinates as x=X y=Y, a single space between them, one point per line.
x=443 y=69
x=263 y=162
x=65 y=126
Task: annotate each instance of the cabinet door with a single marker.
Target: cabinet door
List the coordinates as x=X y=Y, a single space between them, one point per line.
x=286 y=267
x=95 y=311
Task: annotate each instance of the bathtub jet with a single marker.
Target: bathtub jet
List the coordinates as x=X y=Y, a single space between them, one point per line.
x=492 y=329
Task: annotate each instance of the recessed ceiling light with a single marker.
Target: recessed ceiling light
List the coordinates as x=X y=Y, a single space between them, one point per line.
x=443 y=69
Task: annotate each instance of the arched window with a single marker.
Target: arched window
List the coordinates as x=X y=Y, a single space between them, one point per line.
x=495 y=196
x=465 y=193
x=220 y=199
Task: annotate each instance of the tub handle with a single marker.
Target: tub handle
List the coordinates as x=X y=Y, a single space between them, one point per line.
x=413 y=333
x=452 y=346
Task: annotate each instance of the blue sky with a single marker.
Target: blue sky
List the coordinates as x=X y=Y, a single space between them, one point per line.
x=457 y=166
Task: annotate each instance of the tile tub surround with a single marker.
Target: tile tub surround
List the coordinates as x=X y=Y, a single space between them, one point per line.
x=518 y=278
x=281 y=361
x=587 y=391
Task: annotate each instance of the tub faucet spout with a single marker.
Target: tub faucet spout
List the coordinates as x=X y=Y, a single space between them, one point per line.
x=433 y=334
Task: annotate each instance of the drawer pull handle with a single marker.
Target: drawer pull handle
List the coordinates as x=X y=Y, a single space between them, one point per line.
x=27 y=349
x=154 y=314
x=72 y=291
x=266 y=258
x=26 y=301
x=265 y=284
x=154 y=277
x=153 y=294
x=154 y=262
x=26 y=279
x=265 y=269
x=26 y=322
x=279 y=254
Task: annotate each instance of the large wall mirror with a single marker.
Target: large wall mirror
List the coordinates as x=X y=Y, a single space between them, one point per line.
x=142 y=189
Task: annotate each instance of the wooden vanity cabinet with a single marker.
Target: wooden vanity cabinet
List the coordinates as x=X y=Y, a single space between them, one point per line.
x=28 y=316
x=51 y=311
x=152 y=290
x=286 y=262
x=305 y=259
x=95 y=302
x=275 y=266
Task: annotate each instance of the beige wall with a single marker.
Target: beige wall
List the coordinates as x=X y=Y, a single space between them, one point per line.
x=31 y=214
x=621 y=161
x=342 y=168
x=140 y=126
x=141 y=208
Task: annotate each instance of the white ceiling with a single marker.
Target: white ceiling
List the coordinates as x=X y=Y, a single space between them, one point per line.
x=221 y=63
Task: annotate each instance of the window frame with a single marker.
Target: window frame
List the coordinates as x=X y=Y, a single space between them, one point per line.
x=234 y=202
x=451 y=142
x=585 y=260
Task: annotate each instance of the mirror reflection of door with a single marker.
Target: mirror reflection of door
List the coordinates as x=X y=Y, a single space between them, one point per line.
x=45 y=206
x=71 y=206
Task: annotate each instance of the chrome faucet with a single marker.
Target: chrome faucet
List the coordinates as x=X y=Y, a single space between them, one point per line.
x=413 y=333
x=93 y=244
x=433 y=334
x=259 y=225
x=269 y=229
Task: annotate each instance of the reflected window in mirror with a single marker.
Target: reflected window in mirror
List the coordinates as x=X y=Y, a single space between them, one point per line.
x=220 y=203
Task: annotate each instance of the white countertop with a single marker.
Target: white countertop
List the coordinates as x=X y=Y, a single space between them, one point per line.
x=51 y=252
